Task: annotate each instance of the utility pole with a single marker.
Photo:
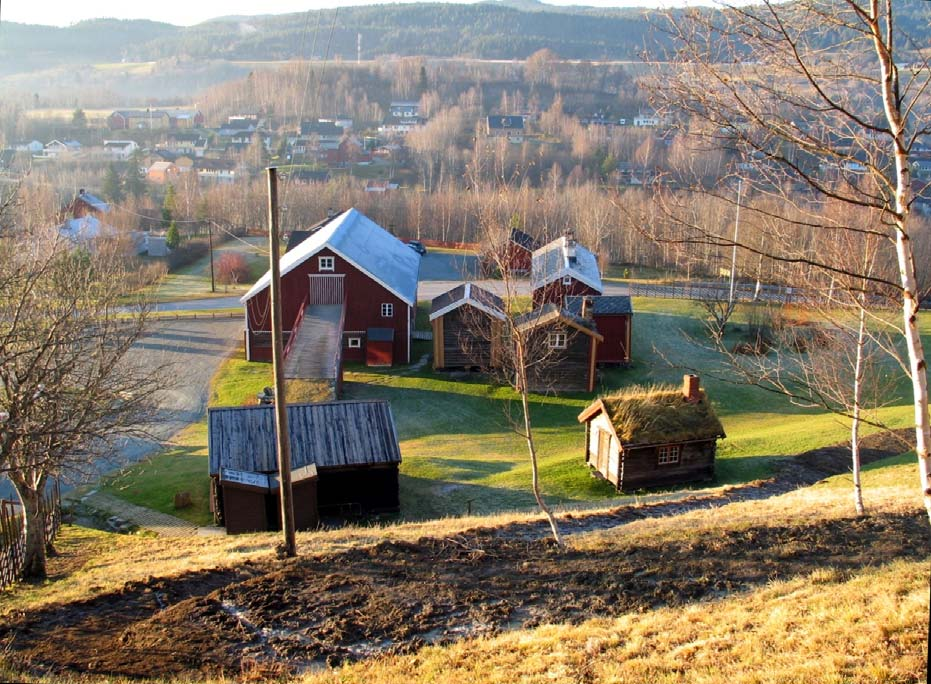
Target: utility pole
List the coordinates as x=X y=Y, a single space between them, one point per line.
x=730 y=299
x=213 y=283
x=281 y=408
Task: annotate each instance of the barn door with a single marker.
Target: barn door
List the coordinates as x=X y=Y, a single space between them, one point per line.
x=326 y=289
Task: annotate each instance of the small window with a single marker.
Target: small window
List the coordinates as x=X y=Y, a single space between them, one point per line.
x=558 y=340
x=668 y=454
x=567 y=280
x=387 y=310
x=354 y=343
x=326 y=263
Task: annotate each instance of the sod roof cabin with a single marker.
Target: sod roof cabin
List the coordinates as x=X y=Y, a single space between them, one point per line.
x=652 y=437
x=466 y=322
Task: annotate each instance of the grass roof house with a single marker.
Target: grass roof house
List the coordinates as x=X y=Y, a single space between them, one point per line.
x=652 y=437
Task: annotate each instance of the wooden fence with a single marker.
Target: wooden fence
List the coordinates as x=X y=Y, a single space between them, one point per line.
x=13 y=533
x=743 y=292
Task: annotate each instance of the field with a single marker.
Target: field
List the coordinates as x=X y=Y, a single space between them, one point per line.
x=785 y=588
x=461 y=455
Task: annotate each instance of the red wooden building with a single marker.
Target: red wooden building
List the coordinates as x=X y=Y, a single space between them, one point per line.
x=612 y=316
x=349 y=261
x=563 y=268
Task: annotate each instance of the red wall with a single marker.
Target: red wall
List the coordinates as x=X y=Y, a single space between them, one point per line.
x=364 y=297
x=518 y=258
x=556 y=292
x=614 y=330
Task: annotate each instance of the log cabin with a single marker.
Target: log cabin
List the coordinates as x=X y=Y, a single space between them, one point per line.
x=613 y=315
x=561 y=350
x=652 y=437
x=347 y=261
x=563 y=268
x=466 y=324
x=348 y=449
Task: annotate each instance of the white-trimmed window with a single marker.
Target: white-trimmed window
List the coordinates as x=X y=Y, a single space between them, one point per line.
x=567 y=280
x=557 y=340
x=668 y=454
x=354 y=342
x=387 y=310
x=326 y=263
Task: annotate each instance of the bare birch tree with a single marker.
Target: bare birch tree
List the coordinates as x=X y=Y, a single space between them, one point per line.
x=810 y=99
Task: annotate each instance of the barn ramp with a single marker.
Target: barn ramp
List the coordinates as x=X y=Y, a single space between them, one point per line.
x=314 y=352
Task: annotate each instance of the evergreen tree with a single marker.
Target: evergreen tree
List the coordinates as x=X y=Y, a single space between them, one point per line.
x=79 y=118
x=112 y=185
x=135 y=180
x=173 y=237
x=168 y=206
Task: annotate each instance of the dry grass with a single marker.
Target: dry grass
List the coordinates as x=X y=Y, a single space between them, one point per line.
x=863 y=625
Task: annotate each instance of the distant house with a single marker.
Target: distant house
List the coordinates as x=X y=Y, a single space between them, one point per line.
x=123 y=119
x=646 y=121
x=58 y=148
x=562 y=348
x=612 y=316
x=381 y=186
x=119 y=150
x=352 y=262
x=33 y=147
x=309 y=176
x=510 y=127
x=466 y=328
x=403 y=109
x=652 y=437
x=344 y=458
x=86 y=204
x=562 y=268
x=84 y=218
x=518 y=256
x=162 y=172
x=326 y=134
x=216 y=170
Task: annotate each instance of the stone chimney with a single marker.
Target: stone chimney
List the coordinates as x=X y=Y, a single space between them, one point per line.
x=691 y=388
x=588 y=304
x=330 y=212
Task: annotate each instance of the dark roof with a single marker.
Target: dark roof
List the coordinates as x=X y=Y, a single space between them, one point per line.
x=549 y=313
x=526 y=241
x=92 y=201
x=321 y=128
x=380 y=334
x=310 y=176
x=467 y=293
x=658 y=415
x=603 y=305
x=498 y=122
x=332 y=434
x=298 y=236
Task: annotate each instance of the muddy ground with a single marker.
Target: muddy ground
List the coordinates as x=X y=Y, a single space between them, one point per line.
x=292 y=615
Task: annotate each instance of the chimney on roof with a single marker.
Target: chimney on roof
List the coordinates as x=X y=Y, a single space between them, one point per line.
x=330 y=212
x=81 y=191
x=690 y=388
x=570 y=247
x=588 y=304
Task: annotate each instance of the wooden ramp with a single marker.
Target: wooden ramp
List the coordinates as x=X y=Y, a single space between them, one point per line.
x=314 y=353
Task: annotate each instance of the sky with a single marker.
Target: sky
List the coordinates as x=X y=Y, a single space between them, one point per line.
x=189 y=12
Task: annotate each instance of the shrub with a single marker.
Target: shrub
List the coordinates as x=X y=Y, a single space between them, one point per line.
x=232 y=268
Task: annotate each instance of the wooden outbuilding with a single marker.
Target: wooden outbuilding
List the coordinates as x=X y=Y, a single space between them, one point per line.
x=466 y=324
x=652 y=437
x=613 y=317
x=562 y=349
x=561 y=269
x=344 y=456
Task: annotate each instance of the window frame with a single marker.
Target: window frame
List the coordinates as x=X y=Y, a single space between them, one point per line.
x=669 y=454
x=558 y=340
x=321 y=260
x=387 y=310
x=354 y=342
x=567 y=280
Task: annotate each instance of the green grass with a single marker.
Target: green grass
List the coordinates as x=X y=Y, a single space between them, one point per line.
x=461 y=453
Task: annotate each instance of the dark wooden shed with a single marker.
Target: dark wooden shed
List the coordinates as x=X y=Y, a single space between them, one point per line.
x=562 y=350
x=466 y=324
x=652 y=437
x=250 y=502
x=351 y=445
x=613 y=316
x=379 y=347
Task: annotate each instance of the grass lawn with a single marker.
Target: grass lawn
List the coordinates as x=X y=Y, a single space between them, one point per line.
x=193 y=281
x=460 y=452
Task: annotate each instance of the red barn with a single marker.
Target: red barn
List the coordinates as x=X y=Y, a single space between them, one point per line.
x=350 y=261
x=563 y=268
x=612 y=316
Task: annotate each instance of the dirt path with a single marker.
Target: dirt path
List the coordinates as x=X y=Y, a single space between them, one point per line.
x=278 y=617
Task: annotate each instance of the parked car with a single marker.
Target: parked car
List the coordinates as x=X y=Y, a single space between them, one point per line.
x=417 y=246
